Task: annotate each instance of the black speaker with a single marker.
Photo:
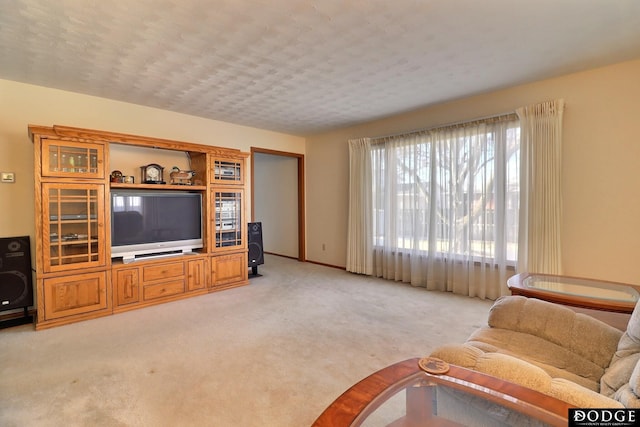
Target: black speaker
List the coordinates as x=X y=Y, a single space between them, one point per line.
x=254 y=238
x=16 y=286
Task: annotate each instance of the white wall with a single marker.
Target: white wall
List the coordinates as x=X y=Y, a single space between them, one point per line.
x=276 y=202
x=601 y=186
x=22 y=104
x=601 y=167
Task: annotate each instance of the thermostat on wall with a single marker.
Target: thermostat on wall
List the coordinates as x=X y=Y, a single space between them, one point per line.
x=8 y=177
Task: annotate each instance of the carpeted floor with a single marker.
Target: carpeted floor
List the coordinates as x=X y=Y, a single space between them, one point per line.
x=274 y=353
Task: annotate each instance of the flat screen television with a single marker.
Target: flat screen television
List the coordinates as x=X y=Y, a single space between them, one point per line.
x=154 y=222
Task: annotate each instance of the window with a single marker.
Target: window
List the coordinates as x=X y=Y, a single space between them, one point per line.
x=450 y=192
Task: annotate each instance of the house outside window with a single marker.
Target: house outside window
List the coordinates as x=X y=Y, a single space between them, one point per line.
x=454 y=193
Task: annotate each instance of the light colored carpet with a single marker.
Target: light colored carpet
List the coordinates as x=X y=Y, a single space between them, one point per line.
x=274 y=353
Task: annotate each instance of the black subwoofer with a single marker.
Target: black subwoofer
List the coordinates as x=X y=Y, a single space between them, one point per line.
x=256 y=253
x=16 y=288
x=16 y=285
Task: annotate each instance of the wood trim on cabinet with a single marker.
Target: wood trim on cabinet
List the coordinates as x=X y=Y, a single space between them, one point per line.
x=130 y=139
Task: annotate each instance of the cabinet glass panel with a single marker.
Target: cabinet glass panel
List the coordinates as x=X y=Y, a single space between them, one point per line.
x=228 y=219
x=74 y=215
x=227 y=171
x=72 y=159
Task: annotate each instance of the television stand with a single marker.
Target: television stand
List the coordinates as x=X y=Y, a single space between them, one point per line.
x=80 y=274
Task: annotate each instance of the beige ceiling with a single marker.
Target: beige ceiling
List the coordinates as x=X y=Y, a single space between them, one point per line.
x=304 y=66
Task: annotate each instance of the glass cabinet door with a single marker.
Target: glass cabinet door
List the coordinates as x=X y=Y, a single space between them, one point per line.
x=227 y=219
x=72 y=159
x=227 y=171
x=73 y=226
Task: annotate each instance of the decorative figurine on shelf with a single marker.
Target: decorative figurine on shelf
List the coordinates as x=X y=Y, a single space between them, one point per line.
x=152 y=174
x=116 y=176
x=180 y=177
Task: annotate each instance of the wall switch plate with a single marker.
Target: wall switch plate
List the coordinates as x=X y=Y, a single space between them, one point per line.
x=8 y=177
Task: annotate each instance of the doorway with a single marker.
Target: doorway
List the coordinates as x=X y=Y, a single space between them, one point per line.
x=277 y=200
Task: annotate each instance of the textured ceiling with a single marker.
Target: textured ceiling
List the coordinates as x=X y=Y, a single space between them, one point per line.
x=304 y=66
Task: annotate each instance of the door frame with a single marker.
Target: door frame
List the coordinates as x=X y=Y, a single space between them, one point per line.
x=301 y=199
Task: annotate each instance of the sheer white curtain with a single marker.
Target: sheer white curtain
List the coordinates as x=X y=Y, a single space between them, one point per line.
x=445 y=207
x=541 y=204
x=359 y=238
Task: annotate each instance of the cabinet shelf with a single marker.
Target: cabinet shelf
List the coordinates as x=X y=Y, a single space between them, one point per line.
x=55 y=223
x=159 y=186
x=69 y=219
x=69 y=242
x=71 y=259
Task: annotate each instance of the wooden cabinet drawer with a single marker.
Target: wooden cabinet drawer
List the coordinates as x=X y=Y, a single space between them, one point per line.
x=127 y=286
x=161 y=290
x=74 y=295
x=162 y=271
x=229 y=269
x=197 y=277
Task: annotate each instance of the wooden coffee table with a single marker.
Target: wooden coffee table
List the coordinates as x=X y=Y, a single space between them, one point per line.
x=403 y=395
x=610 y=302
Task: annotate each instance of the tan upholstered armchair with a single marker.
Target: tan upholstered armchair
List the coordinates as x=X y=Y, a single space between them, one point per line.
x=552 y=349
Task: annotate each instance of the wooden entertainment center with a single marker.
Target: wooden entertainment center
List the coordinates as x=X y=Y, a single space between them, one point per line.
x=76 y=276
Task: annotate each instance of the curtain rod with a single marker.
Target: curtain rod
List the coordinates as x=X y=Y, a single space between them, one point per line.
x=497 y=117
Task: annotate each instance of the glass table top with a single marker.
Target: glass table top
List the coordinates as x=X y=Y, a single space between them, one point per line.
x=424 y=402
x=404 y=395
x=582 y=287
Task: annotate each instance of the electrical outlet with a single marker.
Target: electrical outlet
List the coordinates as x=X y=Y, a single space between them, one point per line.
x=8 y=177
